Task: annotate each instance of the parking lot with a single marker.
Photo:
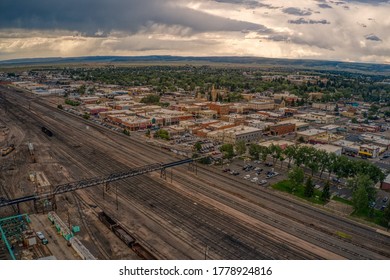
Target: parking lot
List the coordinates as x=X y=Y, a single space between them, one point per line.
x=256 y=172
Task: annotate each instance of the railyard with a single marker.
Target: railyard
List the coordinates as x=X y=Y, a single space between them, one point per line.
x=192 y=214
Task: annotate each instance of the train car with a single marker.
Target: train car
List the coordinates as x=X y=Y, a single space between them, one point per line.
x=142 y=252
x=47 y=132
x=107 y=220
x=123 y=235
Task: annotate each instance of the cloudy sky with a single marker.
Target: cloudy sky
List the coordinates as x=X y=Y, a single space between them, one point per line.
x=346 y=30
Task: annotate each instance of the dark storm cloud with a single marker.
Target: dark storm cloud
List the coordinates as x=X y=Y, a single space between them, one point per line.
x=310 y=21
x=372 y=37
x=296 y=11
x=299 y=41
x=90 y=16
x=324 y=6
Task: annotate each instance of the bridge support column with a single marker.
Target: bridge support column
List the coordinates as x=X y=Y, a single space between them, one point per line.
x=163 y=173
x=192 y=166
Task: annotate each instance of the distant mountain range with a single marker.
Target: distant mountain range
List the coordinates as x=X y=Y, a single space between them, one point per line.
x=250 y=61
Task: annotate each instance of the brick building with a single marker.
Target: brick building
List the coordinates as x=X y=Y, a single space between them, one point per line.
x=221 y=109
x=281 y=129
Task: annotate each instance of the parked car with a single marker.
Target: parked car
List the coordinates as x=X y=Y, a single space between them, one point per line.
x=254 y=179
x=226 y=170
x=42 y=237
x=246 y=177
x=385 y=199
x=336 y=180
x=263 y=182
x=272 y=174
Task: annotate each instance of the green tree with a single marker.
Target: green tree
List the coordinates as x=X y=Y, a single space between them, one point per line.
x=81 y=89
x=301 y=139
x=198 y=146
x=163 y=134
x=290 y=152
x=325 y=195
x=360 y=200
x=254 y=151
x=263 y=153
x=240 y=147
x=296 y=176
x=386 y=216
x=275 y=152
x=147 y=133
x=227 y=150
x=309 y=187
x=311 y=160
x=323 y=161
x=364 y=181
x=151 y=99
x=86 y=116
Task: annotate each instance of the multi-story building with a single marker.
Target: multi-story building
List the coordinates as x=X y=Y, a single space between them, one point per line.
x=221 y=109
x=324 y=106
x=262 y=105
x=282 y=128
x=235 y=134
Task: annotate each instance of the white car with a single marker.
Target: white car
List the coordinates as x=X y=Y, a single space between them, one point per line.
x=263 y=182
x=246 y=177
x=42 y=237
x=254 y=179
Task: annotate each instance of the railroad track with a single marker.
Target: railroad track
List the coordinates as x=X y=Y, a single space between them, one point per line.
x=275 y=199
x=380 y=244
x=235 y=241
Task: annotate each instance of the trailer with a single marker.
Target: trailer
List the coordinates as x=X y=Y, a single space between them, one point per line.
x=107 y=220
x=142 y=252
x=123 y=235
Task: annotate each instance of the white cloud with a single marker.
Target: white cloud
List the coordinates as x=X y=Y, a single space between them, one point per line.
x=342 y=36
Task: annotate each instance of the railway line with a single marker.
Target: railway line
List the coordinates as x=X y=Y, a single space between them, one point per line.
x=161 y=194
x=304 y=221
x=235 y=242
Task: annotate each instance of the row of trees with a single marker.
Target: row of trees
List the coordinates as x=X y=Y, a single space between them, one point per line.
x=297 y=177
x=318 y=161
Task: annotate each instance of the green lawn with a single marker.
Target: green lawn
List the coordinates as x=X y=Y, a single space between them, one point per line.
x=373 y=216
x=286 y=186
x=342 y=200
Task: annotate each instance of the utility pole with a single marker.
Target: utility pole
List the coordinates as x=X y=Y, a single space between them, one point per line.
x=206 y=252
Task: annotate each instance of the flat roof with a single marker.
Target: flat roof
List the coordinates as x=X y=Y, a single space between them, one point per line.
x=311 y=132
x=330 y=127
x=327 y=147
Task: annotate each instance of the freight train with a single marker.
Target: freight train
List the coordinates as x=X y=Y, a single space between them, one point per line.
x=126 y=237
x=47 y=132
